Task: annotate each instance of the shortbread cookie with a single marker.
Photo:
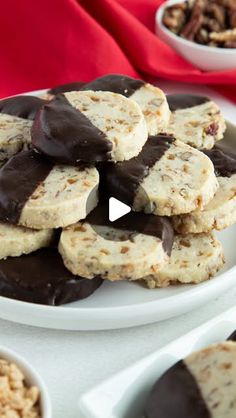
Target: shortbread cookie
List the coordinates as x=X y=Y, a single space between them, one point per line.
x=195 y=120
x=168 y=177
x=36 y=194
x=220 y=212
x=200 y=386
x=116 y=250
x=41 y=277
x=89 y=126
x=151 y=99
x=194 y=259
x=24 y=107
x=14 y=135
x=17 y=240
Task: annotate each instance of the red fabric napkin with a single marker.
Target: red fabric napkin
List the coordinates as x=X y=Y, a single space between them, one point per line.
x=47 y=43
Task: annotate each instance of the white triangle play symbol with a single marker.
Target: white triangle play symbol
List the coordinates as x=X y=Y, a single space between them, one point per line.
x=117 y=209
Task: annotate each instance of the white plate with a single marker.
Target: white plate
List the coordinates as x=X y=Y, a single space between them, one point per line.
x=123 y=305
x=124 y=394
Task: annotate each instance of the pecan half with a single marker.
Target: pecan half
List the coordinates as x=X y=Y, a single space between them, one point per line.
x=193 y=25
x=227 y=35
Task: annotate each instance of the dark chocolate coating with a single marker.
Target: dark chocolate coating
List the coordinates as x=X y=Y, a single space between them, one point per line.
x=183 y=101
x=24 y=107
x=63 y=88
x=19 y=178
x=136 y=222
x=232 y=337
x=124 y=178
x=116 y=83
x=66 y=136
x=224 y=160
x=176 y=395
x=41 y=277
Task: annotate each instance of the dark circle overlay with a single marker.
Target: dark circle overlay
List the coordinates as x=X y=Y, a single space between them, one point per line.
x=130 y=225
x=99 y=218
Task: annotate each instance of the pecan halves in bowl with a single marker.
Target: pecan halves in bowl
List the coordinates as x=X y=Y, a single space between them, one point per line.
x=201 y=21
x=195 y=21
x=174 y=17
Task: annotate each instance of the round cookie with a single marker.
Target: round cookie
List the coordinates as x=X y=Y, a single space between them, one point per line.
x=14 y=135
x=220 y=212
x=17 y=240
x=24 y=106
x=36 y=194
x=194 y=259
x=116 y=250
x=154 y=106
x=151 y=99
x=62 y=199
x=168 y=177
x=41 y=277
x=195 y=120
x=89 y=126
x=200 y=386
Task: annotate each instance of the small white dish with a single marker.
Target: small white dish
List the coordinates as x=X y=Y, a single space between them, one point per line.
x=124 y=394
x=204 y=57
x=32 y=379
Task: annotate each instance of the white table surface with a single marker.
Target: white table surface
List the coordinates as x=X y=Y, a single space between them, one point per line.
x=72 y=362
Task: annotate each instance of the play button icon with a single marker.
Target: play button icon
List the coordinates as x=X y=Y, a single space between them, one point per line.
x=117 y=209
x=112 y=214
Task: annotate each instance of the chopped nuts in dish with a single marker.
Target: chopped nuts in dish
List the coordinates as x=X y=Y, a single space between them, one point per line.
x=17 y=399
x=206 y=22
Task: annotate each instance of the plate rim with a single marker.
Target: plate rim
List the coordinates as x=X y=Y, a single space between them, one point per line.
x=62 y=308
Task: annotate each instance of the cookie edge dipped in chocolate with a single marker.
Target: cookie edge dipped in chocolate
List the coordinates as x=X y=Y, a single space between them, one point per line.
x=232 y=337
x=66 y=136
x=135 y=222
x=184 y=101
x=42 y=278
x=19 y=178
x=176 y=394
x=24 y=106
x=223 y=159
x=115 y=83
x=63 y=88
x=123 y=179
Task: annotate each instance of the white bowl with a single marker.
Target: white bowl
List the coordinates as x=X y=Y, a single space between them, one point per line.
x=32 y=378
x=204 y=57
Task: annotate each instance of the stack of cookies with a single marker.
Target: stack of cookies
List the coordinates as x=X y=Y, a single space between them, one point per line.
x=65 y=154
